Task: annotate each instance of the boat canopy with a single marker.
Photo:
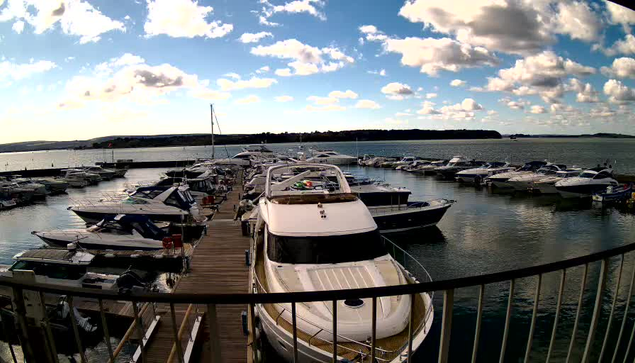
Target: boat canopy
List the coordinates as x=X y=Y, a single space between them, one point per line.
x=55 y=256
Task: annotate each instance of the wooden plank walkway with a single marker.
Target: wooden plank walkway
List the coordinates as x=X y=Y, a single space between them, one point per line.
x=217 y=266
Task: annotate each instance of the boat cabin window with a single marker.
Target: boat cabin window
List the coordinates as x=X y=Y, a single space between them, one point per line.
x=131 y=200
x=325 y=249
x=174 y=201
x=602 y=175
x=587 y=175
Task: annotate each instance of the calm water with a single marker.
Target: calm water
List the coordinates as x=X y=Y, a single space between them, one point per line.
x=581 y=152
x=483 y=232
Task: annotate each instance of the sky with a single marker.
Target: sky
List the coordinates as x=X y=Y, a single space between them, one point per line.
x=78 y=69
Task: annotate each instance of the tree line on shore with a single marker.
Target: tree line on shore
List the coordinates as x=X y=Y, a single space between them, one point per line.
x=288 y=137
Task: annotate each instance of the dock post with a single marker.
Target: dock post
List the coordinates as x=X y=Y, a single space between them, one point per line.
x=20 y=310
x=214 y=337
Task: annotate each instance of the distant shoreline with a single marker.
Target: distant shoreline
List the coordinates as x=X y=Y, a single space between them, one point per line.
x=121 y=142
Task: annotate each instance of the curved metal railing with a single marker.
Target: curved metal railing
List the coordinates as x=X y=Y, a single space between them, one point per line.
x=447 y=286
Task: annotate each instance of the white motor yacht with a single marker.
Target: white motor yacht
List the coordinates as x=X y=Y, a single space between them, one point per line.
x=91 y=178
x=173 y=204
x=123 y=232
x=428 y=168
x=524 y=182
x=53 y=185
x=547 y=185
x=105 y=174
x=500 y=180
x=476 y=175
x=404 y=162
x=456 y=164
x=309 y=238
x=589 y=182
x=331 y=157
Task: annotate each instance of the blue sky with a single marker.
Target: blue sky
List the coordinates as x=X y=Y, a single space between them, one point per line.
x=76 y=69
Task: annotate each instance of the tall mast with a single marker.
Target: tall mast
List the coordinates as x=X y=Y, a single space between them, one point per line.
x=212 y=116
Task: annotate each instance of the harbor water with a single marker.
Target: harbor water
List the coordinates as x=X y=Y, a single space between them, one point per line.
x=484 y=232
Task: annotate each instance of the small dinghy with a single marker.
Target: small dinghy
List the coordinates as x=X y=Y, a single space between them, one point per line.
x=122 y=232
x=614 y=193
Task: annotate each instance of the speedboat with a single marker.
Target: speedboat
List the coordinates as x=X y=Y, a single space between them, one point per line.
x=411 y=215
x=105 y=174
x=589 y=182
x=455 y=165
x=614 y=193
x=376 y=194
x=331 y=157
x=337 y=246
x=123 y=232
x=404 y=162
x=500 y=180
x=39 y=190
x=524 y=182
x=547 y=185
x=91 y=178
x=173 y=204
x=6 y=202
x=53 y=185
x=477 y=175
x=429 y=168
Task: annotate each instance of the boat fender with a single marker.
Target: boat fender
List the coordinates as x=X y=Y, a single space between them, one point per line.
x=167 y=243
x=71 y=246
x=243 y=319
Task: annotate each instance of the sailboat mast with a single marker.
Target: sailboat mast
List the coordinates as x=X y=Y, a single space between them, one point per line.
x=212 y=117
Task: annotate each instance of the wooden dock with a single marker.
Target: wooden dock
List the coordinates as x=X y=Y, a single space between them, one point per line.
x=217 y=266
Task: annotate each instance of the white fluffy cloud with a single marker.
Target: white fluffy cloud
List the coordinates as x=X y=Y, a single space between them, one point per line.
x=306 y=59
x=622 y=46
x=76 y=18
x=541 y=74
x=536 y=109
x=335 y=107
x=618 y=92
x=284 y=98
x=130 y=78
x=18 y=26
x=254 y=82
x=263 y=69
x=620 y=14
x=311 y=7
x=248 y=100
x=372 y=34
x=322 y=100
x=17 y=71
x=367 y=104
x=432 y=55
x=381 y=72
x=254 y=37
x=585 y=91
x=622 y=68
x=183 y=19
x=397 y=91
x=577 y=20
x=431 y=95
x=460 y=111
x=458 y=83
x=343 y=94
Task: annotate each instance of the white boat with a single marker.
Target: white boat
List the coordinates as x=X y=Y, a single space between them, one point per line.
x=477 y=175
x=124 y=232
x=76 y=179
x=105 y=174
x=523 y=183
x=7 y=203
x=91 y=178
x=331 y=157
x=500 y=180
x=53 y=185
x=59 y=267
x=547 y=185
x=588 y=183
x=39 y=190
x=173 y=204
x=337 y=245
x=404 y=162
x=456 y=164
x=429 y=167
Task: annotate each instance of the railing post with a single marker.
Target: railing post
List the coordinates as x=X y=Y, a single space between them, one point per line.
x=446 y=325
x=508 y=318
x=413 y=301
x=557 y=317
x=628 y=303
x=295 y=332
x=252 y=317
x=20 y=310
x=533 y=319
x=373 y=341
x=597 y=310
x=142 y=334
x=214 y=337
x=177 y=339
x=577 y=314
x=610 y=322
x=479 y=318
x=334 y=331
x=50 y=341
x=104 y=324
x=78 y=340
x=4 y=328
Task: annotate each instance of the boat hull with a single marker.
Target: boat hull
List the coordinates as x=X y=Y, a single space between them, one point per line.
x=282 y=342
x=409 y=218
x=372 y=199
x=102 y=244
x=580 y=191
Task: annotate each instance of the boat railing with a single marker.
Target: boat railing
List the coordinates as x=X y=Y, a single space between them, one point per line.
x=605 y=293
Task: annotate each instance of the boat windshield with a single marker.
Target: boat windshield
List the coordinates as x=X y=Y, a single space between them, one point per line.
x=587 y=175
x=326 y=249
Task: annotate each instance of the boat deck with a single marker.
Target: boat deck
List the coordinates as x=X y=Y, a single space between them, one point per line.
x=217 y=266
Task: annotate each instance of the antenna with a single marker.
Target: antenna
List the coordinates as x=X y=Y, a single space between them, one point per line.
x=211 y=106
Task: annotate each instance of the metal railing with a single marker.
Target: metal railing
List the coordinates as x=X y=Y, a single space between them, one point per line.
x=209 y=302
